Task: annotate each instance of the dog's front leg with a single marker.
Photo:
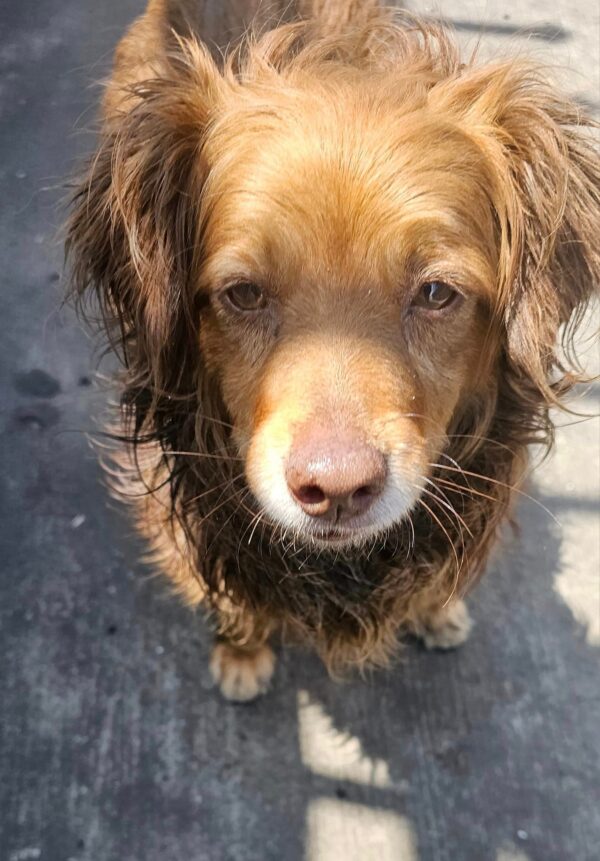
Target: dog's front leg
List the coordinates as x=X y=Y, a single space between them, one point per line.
x=242 y=662
x=441 y=627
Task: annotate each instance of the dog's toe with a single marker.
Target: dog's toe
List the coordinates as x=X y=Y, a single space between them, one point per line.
x=448 y=628
x=242 y=674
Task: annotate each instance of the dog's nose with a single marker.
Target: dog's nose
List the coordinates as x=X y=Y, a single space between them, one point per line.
x=334 y=474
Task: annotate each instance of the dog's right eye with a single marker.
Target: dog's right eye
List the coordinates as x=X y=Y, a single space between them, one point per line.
x=245 y=296
x=435 y=296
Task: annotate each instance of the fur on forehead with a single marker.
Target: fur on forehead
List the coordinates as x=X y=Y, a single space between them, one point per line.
x=499 y=133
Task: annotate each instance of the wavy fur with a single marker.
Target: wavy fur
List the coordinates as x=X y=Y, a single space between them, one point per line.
x=136 y=244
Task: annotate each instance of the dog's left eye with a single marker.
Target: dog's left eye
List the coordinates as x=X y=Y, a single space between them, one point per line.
x=434 y=296
x=245 y=296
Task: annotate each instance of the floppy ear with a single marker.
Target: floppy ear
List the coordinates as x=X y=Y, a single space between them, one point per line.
x=133 y=235
x=545 y=190
x=553 y=267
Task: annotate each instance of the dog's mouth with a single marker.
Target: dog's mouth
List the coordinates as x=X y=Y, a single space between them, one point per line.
x=340 y=538
x=332 y=536
x=316 y=536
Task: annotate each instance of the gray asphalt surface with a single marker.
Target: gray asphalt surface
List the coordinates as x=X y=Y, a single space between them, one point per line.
x=113 y=744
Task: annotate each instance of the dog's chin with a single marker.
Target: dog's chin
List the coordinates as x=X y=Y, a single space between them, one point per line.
x=343 y=539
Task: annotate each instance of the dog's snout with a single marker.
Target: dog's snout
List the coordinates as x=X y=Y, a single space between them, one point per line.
x=333 y=474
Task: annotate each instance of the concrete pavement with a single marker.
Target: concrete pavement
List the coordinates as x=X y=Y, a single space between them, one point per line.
x=113 y=744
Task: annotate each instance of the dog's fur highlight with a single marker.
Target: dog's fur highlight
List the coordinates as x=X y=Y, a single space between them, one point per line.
x=516 y=214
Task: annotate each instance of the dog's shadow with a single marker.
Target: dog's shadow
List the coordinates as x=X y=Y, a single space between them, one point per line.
x=483 y=753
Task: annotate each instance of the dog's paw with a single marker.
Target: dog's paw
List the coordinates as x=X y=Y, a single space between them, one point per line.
x=242 y=674
x=448 y=628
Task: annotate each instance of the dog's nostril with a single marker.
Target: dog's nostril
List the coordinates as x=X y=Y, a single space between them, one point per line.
x=309 y=494
x=363 y=492
x=362 y=498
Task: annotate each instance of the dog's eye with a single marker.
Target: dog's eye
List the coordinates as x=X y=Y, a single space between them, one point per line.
x=434 y=296
x=245 y=296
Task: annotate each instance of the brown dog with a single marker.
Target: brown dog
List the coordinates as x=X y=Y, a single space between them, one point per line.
x=335 y=261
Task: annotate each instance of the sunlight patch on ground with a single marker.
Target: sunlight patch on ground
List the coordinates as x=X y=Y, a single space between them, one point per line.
x=330 y=753
x=570 y=481
x=578 y=582
x=511 y=853
x=339 y=830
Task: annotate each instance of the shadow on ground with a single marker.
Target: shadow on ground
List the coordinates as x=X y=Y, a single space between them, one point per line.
x=113 y=743
x=118 y=746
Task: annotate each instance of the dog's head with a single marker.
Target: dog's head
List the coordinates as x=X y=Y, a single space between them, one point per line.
x=351 y=247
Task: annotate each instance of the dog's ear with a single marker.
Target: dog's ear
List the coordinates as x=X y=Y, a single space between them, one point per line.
x=133 y=236
x=544 y=175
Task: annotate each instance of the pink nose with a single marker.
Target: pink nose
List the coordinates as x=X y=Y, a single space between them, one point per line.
x=334 y=474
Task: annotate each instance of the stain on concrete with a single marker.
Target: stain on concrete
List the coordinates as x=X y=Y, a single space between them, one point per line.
x=36 y=416
x=543 y=31
x=37 y=384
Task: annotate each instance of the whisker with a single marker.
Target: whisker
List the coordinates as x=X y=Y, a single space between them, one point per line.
x=205 y=455
x=450 y=508
x=483 y=439
x=510 y=487
x=464 y=551
x=217 y=507
x=214 y=489
x=450 y=542
x=233 y=513
x=412 y=537
x=257 y=518
x=461 y=489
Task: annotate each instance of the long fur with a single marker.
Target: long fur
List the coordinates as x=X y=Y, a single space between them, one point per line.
x=136 y=244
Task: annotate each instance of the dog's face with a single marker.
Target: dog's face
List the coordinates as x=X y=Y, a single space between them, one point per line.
x=349 y=258
x=355 y=258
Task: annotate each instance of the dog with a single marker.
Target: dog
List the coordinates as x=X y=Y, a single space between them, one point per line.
x=335 y=260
